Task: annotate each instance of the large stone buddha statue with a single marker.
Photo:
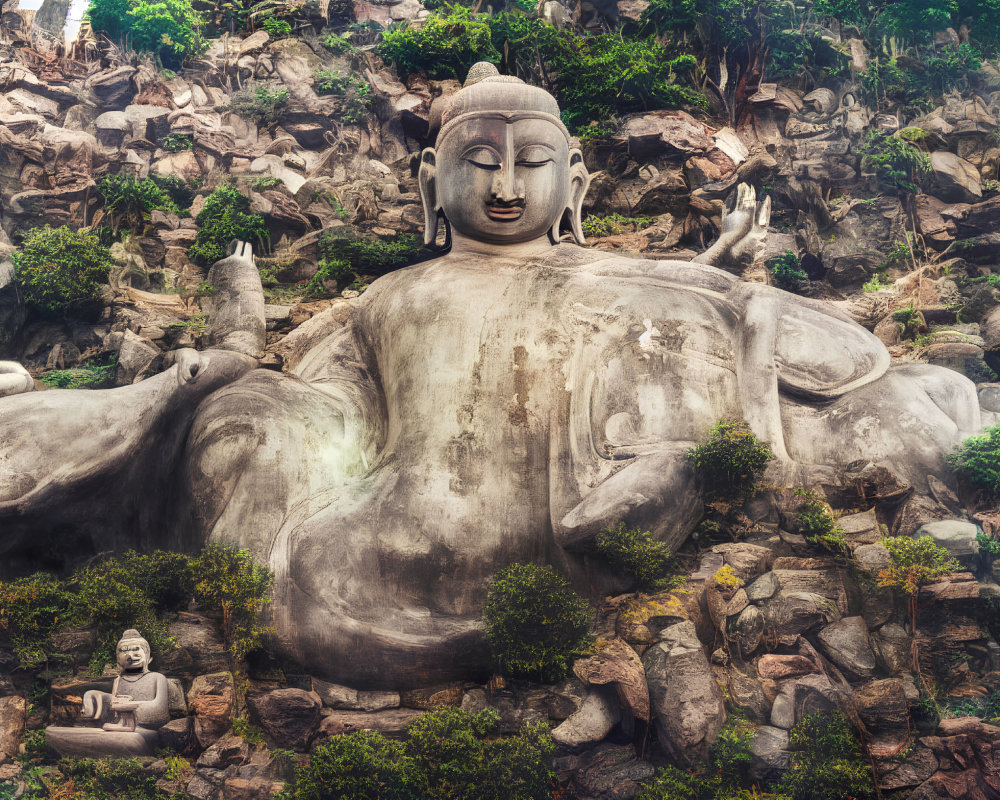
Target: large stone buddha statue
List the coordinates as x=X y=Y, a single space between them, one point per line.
x=505 y=402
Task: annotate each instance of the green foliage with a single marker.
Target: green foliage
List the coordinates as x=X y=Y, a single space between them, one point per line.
x=732 y=460
x=988 y=545
x=59 y=272
x=914 y=563
x=330 y=269
x=730 y=757
x=176 y=142
x=827 y=762
x=897 y=163
x=276 y=28
x=246 y=730
x=355 y=93
x=875 y=283
x=129 y=200
x=534 y=622
x=228 y=579
x=263 y=184
x=170 y=29
x=634 y=550
x=371 y=256
x=977 y=461
x=787 y=272
x=612 y=224
x=30 y=609
x=917 y=20
x=180 y=191
x=90 y=375
x=258 y=104
x=225 y=216
x=108 y=779
x=447 y=753
x=671 y=783
x=338 y=45
x=445 y=46
x=817 y=525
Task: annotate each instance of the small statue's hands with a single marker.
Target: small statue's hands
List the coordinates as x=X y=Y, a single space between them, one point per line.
x=190 y=364
x=14 y=379
x=123 y=702
x=739 y=221
x=93 y=704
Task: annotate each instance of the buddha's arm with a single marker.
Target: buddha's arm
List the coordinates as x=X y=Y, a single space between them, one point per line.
x=96 y=704
x=156 y=712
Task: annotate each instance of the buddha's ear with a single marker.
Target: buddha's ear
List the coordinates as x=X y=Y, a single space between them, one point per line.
x=579 y=182
x=427 y=178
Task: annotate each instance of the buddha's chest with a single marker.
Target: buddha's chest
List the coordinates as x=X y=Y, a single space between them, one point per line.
x=142 y=688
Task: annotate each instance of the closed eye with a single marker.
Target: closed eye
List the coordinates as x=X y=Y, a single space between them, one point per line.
x=483 y=158
x=534 y=156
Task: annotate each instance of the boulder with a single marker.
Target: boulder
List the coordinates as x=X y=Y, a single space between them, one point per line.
x=617 y=664
x=871 y=558
x=230 y=750
x=882 y=704
x=211 y=700
x=769 y=747
x=591 y=723
x=954 y=179
x=198 y=647
x=801 y=697
x=661 y=132
x=780 y=667
x=790 y=614
x=176 y=734
x=391 y=722
x=13 y=712
x=747 y=631
x=957 y=536
x=748 y=561
x=846 y=644
x=288 y=716
x=114 y=88
x=134 y=355
x=686 y=700
x=608 y=772
x=334 y=696
x=763 y=588
x=918 y=765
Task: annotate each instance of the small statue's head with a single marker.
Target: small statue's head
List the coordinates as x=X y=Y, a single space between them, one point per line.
x=502 y=169
x=132 y=652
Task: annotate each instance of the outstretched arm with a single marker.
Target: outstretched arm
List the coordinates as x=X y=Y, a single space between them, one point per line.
x=743 y=229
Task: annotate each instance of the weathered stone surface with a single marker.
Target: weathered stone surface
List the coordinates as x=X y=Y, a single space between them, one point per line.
x=748 y=561
x=763 y=588
x=210 y=699
x=13 y=711
x=659 y=132
x=591 y=723
x=288 y=716
x=893 y=648
x=618 y=664
x=779 y=667
x=686 y=700
x=954 y=179
x=916 y=768
x=748 y=630
x=391 y=722
x=882 y=704
x=770 y=750
x=800 y=697
x=846 y=644
x=343 y=697
x=609 y=772
x=957 y=536
x=230 y=750
x=176 y=734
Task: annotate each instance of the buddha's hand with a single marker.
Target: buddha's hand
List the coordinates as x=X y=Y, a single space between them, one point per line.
x=190 y=364
x=14 y=379
x=124 y=702
x=93 y=704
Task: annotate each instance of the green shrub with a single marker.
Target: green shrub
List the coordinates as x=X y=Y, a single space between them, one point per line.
x=180 y=191
x=337 y=44
x=330 y=269
x=787 y=272
x=258 y=104
x=247 y=731
x=176 y=142
x=732 y=460
x=225 y=216
x=370 y=255
x=817 y=525
x=898 y=165
x=90 y=375
x=109 y=779
x=445 y=46
x=534 y=622
x=263 y=184
x=129 y=200
x=31 y=609
x=355 y=93
x=227 y=579
x=170 y=29
x=827 y=762
x=914 y=563
x=59 y=272
x=612 y=224
x=730 y=756
x=446 y=753
x=276 y=28
x=671 y=783
x=634 y=550
x=977 y=461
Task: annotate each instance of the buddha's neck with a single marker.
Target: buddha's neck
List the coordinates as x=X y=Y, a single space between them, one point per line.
x=463 y=245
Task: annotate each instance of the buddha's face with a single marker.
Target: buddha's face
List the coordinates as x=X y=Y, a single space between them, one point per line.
x=503 y=178
x=131 y=656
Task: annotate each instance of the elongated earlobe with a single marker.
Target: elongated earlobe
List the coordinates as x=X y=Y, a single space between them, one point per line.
x=579 y=182
x=427 y=179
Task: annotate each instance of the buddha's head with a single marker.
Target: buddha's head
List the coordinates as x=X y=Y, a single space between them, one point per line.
x=502 y=169
x=132 y=652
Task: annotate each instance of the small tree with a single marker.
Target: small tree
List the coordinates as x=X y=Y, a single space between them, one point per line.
x=129 y=200
x=731 y=461
x=60 y=271
x=914 y=563
x=636 y=551
x=225 y=216
x=827 y=761
x=978 y=461
x=535 y=623
x=227 y=578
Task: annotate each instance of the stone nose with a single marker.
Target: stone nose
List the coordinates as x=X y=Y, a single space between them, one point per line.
x=506 y=187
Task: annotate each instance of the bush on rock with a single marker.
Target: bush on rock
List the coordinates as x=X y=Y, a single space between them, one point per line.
x=827 y=762
x=978 y=461
x=732 y=460
x=225 y=216
x=169 y=29
x=635 y=551
x=59 y=271
x=535 y=623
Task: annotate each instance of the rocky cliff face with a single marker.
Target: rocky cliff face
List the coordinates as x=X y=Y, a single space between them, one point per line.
x=797 y=631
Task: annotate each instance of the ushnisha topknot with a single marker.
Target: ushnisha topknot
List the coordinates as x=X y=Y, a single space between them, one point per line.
x=487 y=91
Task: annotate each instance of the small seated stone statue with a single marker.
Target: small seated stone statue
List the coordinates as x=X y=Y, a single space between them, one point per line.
x=130 y=715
